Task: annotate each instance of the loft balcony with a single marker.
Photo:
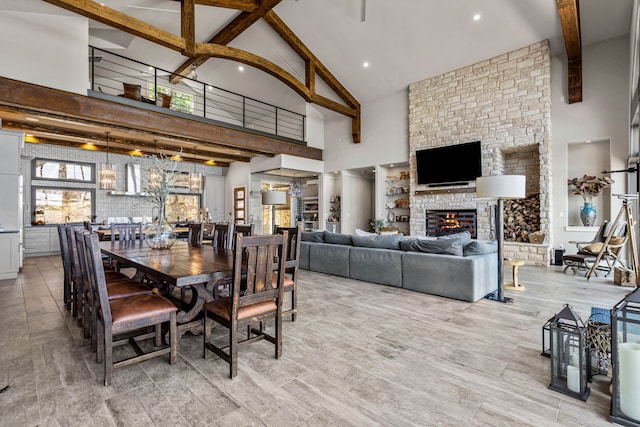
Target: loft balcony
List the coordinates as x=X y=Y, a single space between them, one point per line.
x=117 y=78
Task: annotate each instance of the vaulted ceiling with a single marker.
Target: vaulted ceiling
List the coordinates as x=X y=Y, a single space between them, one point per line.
x=402 y=41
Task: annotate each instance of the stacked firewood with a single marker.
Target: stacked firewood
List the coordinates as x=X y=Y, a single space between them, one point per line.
x=521 y=218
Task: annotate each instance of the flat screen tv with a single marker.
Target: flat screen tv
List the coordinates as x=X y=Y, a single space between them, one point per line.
x=450 y=164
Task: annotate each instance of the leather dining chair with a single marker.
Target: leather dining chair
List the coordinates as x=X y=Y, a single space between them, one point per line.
x=291 y=277
x=255 y=297
x=118 y=286
x=66 y=265
x=127 y=315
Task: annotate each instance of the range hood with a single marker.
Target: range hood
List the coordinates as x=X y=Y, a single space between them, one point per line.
x=133 y=182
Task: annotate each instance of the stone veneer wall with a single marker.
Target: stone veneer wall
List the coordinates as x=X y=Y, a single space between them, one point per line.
x=505 y=102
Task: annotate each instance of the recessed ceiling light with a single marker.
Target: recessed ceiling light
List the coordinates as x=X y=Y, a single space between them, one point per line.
x=365 y=64
x=240 y=68
x=391 y=165
x=588 y=141
x=210 y=87
x=150 y=68
x=336 y=172
x=477 y=17
x=31 y=119
x=28 y=135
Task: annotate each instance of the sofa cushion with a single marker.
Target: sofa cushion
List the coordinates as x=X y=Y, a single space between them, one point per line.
x=388 y=241
x=376 y=265
x=337 y=238
x=312 y=236
x=479 y=247
x=359 y=232
x=330 y=259
x=451 y=244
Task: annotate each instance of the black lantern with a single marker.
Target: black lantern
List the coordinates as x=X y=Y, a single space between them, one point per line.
x=546 y=337
x=625 y=358
x=569 y=361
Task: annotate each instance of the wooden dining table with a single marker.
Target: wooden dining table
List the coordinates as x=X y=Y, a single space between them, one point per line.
x=199 y=268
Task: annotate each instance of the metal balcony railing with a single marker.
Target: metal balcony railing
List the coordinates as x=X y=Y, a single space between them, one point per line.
x=110 y=72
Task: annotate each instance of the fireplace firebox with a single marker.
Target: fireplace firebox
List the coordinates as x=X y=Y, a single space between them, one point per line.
x=450 y=221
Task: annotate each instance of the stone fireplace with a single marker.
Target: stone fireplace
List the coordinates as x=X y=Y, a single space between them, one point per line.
x=441 y=222
x=505 y=102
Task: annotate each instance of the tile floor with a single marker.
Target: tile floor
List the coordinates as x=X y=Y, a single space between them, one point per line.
x=360 y=354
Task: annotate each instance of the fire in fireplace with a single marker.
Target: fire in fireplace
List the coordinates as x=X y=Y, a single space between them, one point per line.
x=443 y=222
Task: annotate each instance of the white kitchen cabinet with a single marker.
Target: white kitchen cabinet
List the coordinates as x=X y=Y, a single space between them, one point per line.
x=9 y=254
x=41 y=241
x=11 y=143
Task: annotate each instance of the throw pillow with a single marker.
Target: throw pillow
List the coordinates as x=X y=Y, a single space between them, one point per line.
x=593 y=248
x=446 y=246
x=464 y=237
x=337 y=238
x=312 y=236
x=389 y=241
x=477 y=247
x=359 y=232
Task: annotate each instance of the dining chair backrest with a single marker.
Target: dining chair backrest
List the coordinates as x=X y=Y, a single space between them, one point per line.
x=254 y=270
x=221 y=235
x=125 y=232
x=96 y=277
x=293 y=251
x=66 y=263
x=244 y=229
x=80 y=245
x=196 y=230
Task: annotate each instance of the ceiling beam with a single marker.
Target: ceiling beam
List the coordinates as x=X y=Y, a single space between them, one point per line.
x=111 y=17
x=569 y=11
x=188 y=26
x=119 y=20
x=244 y=5
x=232 y=30
x=21 y=96
x=313 y=66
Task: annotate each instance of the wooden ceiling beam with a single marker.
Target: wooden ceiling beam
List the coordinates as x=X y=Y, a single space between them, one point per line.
x=314 y=66
x=244 y=5
x=188 y=26
x=22 y=96
x=305 y=53
x=119 y=20
x=569 y=12
x=223 y=37
x=44 y=133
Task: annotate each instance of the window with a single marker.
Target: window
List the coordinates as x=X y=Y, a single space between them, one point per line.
x=59 y=205
x=180 y=101
x=63 y=171
x=182 y=207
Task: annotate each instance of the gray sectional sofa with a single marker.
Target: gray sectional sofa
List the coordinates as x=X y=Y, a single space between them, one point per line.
x=452 y=266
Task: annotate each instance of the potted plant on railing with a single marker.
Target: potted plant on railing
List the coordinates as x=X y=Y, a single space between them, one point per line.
x=588 y=187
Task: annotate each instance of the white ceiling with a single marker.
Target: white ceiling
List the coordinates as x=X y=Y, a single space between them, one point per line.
x=403 y=40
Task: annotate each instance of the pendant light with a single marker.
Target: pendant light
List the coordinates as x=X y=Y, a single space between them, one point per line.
x=107 y=172
x=195 y=178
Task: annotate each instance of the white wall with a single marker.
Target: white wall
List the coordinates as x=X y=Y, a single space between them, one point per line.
x=385 y=135
x=603 y=114
x=357 y=202
x=48 y=50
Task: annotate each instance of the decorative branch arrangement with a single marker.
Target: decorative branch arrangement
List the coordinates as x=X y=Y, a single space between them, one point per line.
x=160 y=172
x=590 y=186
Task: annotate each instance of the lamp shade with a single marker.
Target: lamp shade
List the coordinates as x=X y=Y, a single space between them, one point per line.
x=274 y=198
x=501 y=187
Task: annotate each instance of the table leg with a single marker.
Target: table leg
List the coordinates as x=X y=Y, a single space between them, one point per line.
x=189 y=318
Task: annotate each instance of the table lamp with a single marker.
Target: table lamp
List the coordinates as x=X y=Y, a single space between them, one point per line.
x=500 y=187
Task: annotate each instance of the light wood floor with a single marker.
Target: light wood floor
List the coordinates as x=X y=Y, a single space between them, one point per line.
x=360 y=354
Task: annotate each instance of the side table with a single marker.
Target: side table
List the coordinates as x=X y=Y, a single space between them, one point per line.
x=514 y=285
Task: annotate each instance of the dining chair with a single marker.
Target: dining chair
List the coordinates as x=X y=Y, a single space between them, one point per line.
x=244 y=229
x=66 y=265
x=126 y=231
x=255 y=296
x=293 y=255
x=118 y=286
x=221 y=235
x=196 y=233
x=127 y=315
